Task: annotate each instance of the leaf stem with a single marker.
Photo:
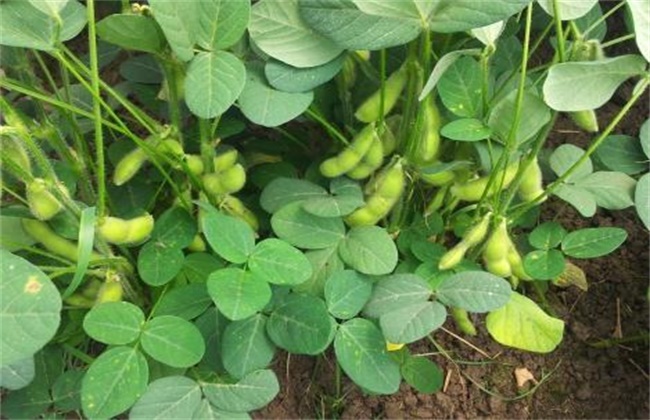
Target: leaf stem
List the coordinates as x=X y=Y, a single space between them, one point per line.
x=333 y=131
x=559 y=31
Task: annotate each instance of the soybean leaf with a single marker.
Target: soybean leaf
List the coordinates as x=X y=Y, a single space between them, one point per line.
x=460 y=88
x=292 y=79
x=132 y=32
x=277 y=29
x=30 y=310
x=611 y=190
x=277 y=262
x=142 y=69
x=641 y=18
x=253 y=391
x=159 y=264
x=623 y=154
x=593 y=17
x=576 y=86
x=304 y=230
x=301 y=325
x=35 y=32
x=173 y=397
x=198 y=266
x=213 y=83
x=333 y=206
x=114 y=323
x=50 y=7
x=66 y=391
x=346 y=293
x=406 y=9
x=17 y=374
x=568 y=9
x=524 y=325
x=642 y=199
x=324 y=262
x=187 y=302
x=564 y=157
x=221 y=22
x=489 y=34
x=582 y=200
x=114 y=382
x=442 y=66
x=412 y=322
x=547 y=235
x=544 y=264
x=534 y=115
x=212 y=325
x=172 y=341
x=12 y=235
x=350 y=28
x=229 y=236
x=178 y=20
x=369 y=250
x=468 y=14
x=246 y=347
x=474 y=291
x=361 y=351
x=466 y=129
x=174 y=228
x=207 y=411
x=593 y=242
x=422 y=374
x=644 y=137
x=282 y=191
x=237 y=293
x=269 y=107
x=394 y=292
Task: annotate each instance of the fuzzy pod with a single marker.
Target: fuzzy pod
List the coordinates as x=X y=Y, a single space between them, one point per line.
x=462 y=320
x=428 y=138
x=225 y=160
x=110 y=291
x=43 y=234
x=473 y=190
x=477 y=233
x=453 y=257
x=13 y=150
x=370 y=162
x=586 y=120
x=352 y=155
x=233 y=179
x=129 y=165
x=42 y=203
x=140 y=229
x=516 y=264
x=531 y=182
x=194 y=164
x=498 y=244
x=235 y=207
x=114 y=230
x=370 y=110
x=438 y=179
x=170 y=147
x=500 y=267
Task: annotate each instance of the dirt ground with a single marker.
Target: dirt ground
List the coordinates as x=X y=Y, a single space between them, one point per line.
x=592 y=374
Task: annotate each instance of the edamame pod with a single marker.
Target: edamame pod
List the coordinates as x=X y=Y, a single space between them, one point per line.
x=438 y=179
x=352 y=155
x=233 y=206
x=128 y=166
x=198 y=244
x=473 y=190
x=110 y=291
x=225 y=159
x=42 y=233
x=531 y=182
x=194 y=164
x=13 y=150
x=428 y=138
x=126 y=232
x=370 y=110
x=498 y=243
x=453 y=257
x=42 y=203
x=586 y=120
x=476 y=233
x=370 y=162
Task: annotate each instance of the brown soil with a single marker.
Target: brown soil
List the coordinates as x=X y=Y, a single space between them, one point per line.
x=591 y=375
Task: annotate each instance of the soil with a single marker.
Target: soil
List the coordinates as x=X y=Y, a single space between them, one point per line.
x=600 y=370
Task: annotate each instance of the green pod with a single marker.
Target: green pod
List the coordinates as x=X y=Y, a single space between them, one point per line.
x=225 y=159
x=498 y=244
x=428 y=136
x=477 y=233
x=234 y=206
x=453 y=257
x=387 y=137
x=42 y=233
x=352 y=155
x=586 y=120
x=140 y=229
x=439 y=178
x=113 y=230
x=110 y=291
x=170 y=147
x=500 y=267
x=129 y=165
x=531 y=182
x=42 y=203
x=370 y=162
x=370 y=110
x=462 y=320
x=13 y=150
x=194 y=164
x=589 y=50
x=516 y=264
x=198 y=244
x=473 y=190
x=387 y=189
x=212 y=184
x=233 y=179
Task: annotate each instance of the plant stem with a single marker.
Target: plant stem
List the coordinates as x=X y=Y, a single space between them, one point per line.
x=382 y=84
x=333 y=131
x=618 y=40
x=598 y=21
x=97 y=111
x=170 y=67
x=77 y=353
x=559 y=31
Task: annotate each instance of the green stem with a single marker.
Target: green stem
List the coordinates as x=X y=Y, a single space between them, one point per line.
x=97 y=111
x=207 y=145
x=463 y=322
x=333 y=131
x=73 y=351
x=382 y=84
x=618 y=40
x=598 y=21
x=171 y=70
x=559 y=31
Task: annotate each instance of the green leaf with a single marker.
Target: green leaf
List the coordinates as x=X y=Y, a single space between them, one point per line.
x=198 y=266
x=346 y=293
x=85 y=242
x=577 y=86
x=489 y=35
x=50 y=7
x=369 y=250
x=580 y=199
x=462 y=15
x=213 y=83
x=142 y=69
x=301 y=325
x=266 y=106
x=282 y=191
x=361 y=351
x=534 y=115
x=185 y=302
x=324 y=263
x=23 y=25
x=442 y=66
x=74 y=19
x=114 y=323
x=275 y=261
x=593 y=242
x=547 y=235
x=246 y=347
x=221 y=22
x=569 y=10
x=611 y=190
x=173 y=397
x=17 y=374
x=524 y=325
x=30 y=310
x=644 y=137
x=474 y=291
x=212 y=325
x=414 y=10
x=304 y=230
x=277 y=29
x=346 y=25
x=253 y=391
x=159 y=264
x=237 y=293
x=132 y=32
x=623 y=154
x=230 y=237
x=12 y=235
x=642 y=198
x=207 y=411
x=412 y=322
x=422 y=374
x=114 y=382
x=544 y=264
x=564 y=157
x=292 y=79
x=66 y=391
x=178 y=20
x=466 y=129
x=641 y=18
x=31 y=401
x=395 y=292
x=460 y=88
x=175 y=228
x=172 y=341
